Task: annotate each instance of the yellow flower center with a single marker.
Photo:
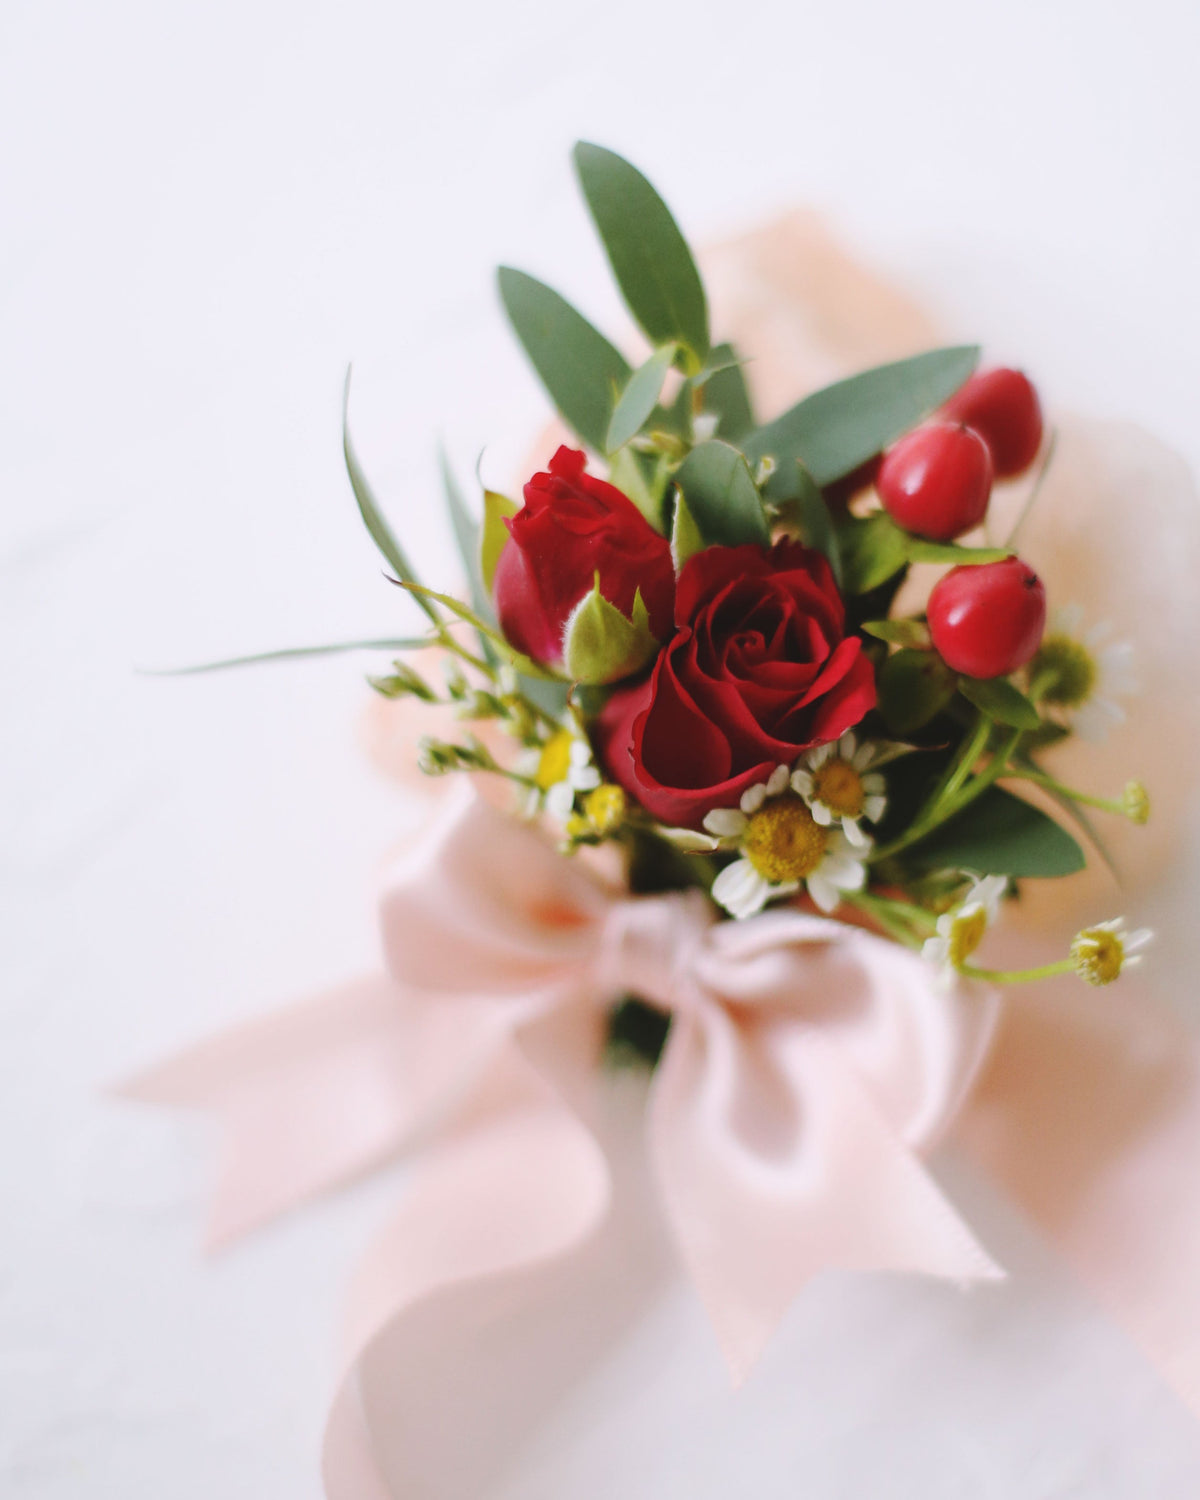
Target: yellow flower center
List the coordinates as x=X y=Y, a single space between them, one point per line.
x=839 y=786
x=1136 y=802
x=555 y=760
x=1099 y=955
x=605 y=808
x=967 y=932
x=1070 y=670
x=783 y=842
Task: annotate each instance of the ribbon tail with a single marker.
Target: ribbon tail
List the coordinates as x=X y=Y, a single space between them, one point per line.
x=775 y=1163
x=320 y=1092
x=427 y=1400
x=1088 y=1115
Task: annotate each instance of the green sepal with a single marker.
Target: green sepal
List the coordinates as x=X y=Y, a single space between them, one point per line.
x=722 y=497
x=600 y=645
x=873 y=550
x=921 y=551
x=686 y=540
x=911 y=633
x=493 y=535
x=997 y=698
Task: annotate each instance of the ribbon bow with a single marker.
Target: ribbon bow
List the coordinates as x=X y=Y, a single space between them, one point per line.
x=808 y=1068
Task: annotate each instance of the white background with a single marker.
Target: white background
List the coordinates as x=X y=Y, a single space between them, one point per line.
x=208 y=210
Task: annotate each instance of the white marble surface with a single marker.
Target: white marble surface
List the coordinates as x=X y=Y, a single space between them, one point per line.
x=208 y=210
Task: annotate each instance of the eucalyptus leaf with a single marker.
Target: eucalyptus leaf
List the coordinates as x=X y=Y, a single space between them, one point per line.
x=807 y=508
x=835 y=430
x=496 y=510
x=467 y=535
x=1001 y=701
x=368 y=508
x=578 y=366
x=719 y=489
x=640 y=397
x=643 y=478
x=919 y=550
x=649 y=256
x=913 y=686
x=726 y=394
x=999 y=834
x=873 y=550
x=911 y=633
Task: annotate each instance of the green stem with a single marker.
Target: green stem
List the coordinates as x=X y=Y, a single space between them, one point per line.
x=1018 y=976
x=897 y=918
x=1039 y=778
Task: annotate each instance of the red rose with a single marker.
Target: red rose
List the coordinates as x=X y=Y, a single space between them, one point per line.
x=572 y=527
x=758 y=672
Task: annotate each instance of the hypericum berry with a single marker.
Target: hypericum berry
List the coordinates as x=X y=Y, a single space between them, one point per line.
x=987 y=619
x=1003 y=408
x=936 y=481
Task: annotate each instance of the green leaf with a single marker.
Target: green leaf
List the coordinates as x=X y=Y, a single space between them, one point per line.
x=726 y=394
x=912 y=633
x=997 y=698
x=720 y=492
x=649 y=256
x=575 y=362
x=914 y=687
x=999 y=834
x=807 y=508
x=466 y=534
x=834 y=430
x=518 y=659
x=496 y=510
x=372 y=516
x=686 y=540
x=600 y=645
x=294 y=653
x=873 y=550
x=640 y=397
x=919 y=550
x=644 y=478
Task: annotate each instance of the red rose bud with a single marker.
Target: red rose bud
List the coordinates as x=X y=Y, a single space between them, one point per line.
x=1003 y=408
x=987 y=619
x=758 y=671
x=573 y=530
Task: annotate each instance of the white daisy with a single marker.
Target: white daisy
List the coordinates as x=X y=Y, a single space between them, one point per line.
x=839 y=787
x=558 y=769
x=1102 y=953
x=1086 y=672
x=782 y=847
x=960 y=932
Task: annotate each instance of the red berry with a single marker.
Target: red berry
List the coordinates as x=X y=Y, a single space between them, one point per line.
x=1003 y=408
x=936 y=481
x=987 y=619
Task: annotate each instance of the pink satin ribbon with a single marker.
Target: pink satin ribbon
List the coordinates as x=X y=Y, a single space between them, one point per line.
x=808 y=1070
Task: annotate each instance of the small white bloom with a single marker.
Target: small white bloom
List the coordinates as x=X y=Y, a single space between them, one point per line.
x=960 y=932
x=837 y=783
x=1090 y=672
x=559 y=769
x=1102 y=953
x=782 y=847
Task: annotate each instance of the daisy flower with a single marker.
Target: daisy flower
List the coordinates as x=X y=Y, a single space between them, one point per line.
x=839 y=787
x=1102 y=953
x=558 y=769
x=1084 y=673
x=782 y=847
x=960 y=932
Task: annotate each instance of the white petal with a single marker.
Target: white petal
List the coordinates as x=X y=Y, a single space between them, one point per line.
x=821 y=814
x=818 y=755
x=874 y=808
x=777 y=781
x=740 y=889
x=753 y=798
x=937 y=950
x=583 y=778
x=855 y=834
x=1138 y=939
x=580 y=753
x=725 y=822
x=843 y=871
x=847 y=745
x=1095 y=718
x=802 y=784
x=863 y=757
x=874 y=783
x=823 y=892
x=560 y=799
x=1068 y=619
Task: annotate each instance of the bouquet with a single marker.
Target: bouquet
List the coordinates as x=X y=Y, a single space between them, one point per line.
x=749 y=723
